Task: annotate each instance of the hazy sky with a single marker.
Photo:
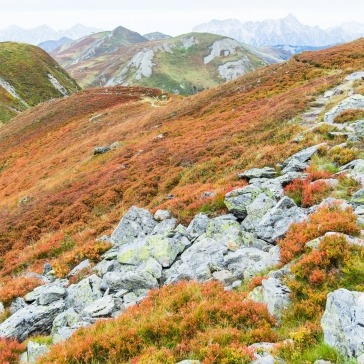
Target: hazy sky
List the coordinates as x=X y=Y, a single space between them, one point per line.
x=171 y=16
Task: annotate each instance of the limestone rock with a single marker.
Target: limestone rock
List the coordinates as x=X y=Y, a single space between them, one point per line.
x=353 y=102
x=103 y=307
x=84 y=293
x=237 y=200
x=256 y=210
x=198 y=225
x=343 y=322
x=35 y=351
x=162 y=215
x=136 y=223
x=266 y=172
x=276 y=222
x=51 y=294
x=274 y=294
x=304 y=155
x=17 y=304
x=84 y=265
x=31 y=320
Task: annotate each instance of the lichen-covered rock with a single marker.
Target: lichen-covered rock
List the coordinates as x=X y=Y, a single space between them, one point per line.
x=84 y=293
x=237 y=200
x=275 y=223
x=352 y=102
x=304 y=155
x=198 y=225
x=358 y=198
x=51 y=294
x=343 y=322
x=224 y=229
x=31 y=320
x=129 y=281
x=256 y=210
x=266 y=172
x=162 y=215
x=103 y=307
x=34 y=352
x=274 y=294
x=294 y=165
x=136 y=223
x=84 y=265
x=17 y=305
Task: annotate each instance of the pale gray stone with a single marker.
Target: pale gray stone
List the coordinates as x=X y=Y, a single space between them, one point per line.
x=136 y=223
x=276 y=222
x=51 y=294
x=84 y=293
x=266 y=172
x=84 y=265
x=35 y=351
x=103 y=307
x=343 y=322
x=31 y=320
x=162 y=215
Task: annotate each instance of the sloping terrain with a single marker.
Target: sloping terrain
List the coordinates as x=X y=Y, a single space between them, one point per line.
x=56 y=196
x=184 y=65
x=29 y=76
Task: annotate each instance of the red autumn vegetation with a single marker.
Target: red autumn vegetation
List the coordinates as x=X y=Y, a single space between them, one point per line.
x=325 y=219
x=56 y=198
x=183 y=321
x=10 y=351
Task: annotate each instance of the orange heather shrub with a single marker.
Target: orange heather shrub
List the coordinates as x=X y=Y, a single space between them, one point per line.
x=310 y=191
x=185 y=320
x=18 y=288
x=325 y=219
x=10 y=351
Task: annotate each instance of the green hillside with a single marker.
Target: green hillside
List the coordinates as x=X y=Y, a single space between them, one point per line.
x=29 y=76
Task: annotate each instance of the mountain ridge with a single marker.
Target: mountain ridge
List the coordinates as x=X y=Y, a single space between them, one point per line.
x=284 y=31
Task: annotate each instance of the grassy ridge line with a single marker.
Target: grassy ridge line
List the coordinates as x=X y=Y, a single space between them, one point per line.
x=26 y=69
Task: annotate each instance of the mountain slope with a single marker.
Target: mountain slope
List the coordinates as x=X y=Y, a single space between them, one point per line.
x=28 y=76
x=56 y=199
x=97 y=44
x=184 y=64
x=285 y=31
x=51 y=45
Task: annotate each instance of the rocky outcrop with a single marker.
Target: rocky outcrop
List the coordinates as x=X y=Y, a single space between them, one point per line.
x=352 y=102
x=343 y=322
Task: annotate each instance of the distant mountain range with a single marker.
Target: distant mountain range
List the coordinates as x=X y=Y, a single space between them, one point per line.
x=185 y=64
x=285 y=31
x=43 y=33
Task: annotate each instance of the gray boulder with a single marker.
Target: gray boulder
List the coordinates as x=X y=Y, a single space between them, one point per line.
x=84 y=293
x=34 y=352
x=162 y=215
x=136 y=223
x=224 y=229
x=256 y=210
x=17 y=305
x=51 y=294
x=237 y=200
x=343 y=322
x=103 y=307
x=129 y=281
x=198 y=225
x=84 y=265
x=352 y=102
x=294 y=165
x=273 y=293
x=266 y=172
x=31 y=320
x=275 y=223
x=272 y=185
x=358 y=127
x=304 y=155
x=165 y=227
x=358 y=198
